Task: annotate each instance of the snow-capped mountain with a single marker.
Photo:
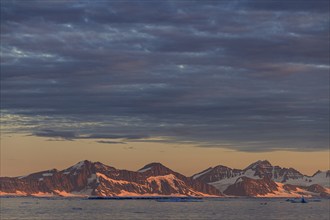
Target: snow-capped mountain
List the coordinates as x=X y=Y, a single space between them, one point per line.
x=265 y=187
x=263 y=179
x=88 y=178
x=265 y=169
x=96 y=179
x=217 y=173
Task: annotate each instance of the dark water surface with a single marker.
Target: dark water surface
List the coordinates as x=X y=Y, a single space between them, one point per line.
x=43 y=208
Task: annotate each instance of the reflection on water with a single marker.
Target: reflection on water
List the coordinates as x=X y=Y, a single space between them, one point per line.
x=233 y=208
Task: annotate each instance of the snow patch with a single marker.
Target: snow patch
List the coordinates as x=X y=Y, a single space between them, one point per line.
x=251 y=174
x=47 y=174
x=223 y=184
x=239 y=180
x=202 y=173
x=321 y=179
x=78 y=165
x=92 y=178
x=144 y=170
x=21 y=177
x=281 y=192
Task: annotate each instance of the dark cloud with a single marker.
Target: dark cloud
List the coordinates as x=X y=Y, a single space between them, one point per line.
x=245 y=75
x=111 y=142
x=293 y=5
x=67 y=135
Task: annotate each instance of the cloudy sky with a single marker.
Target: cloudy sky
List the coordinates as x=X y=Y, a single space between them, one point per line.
x=243 y=76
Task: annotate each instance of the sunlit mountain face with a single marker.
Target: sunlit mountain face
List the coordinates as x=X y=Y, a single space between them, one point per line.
x=86 y=178
x=96 y=179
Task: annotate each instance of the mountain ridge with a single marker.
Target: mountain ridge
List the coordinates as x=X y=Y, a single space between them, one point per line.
x=87 y=178
x=261 y=178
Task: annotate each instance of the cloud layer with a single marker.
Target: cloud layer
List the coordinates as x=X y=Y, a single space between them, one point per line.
x=244 y=75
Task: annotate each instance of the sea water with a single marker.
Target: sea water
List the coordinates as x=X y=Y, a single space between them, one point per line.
x=227 y=208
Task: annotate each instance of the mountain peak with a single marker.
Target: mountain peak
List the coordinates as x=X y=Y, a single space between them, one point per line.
x=155 y=169
x=320 y=172
x=264 y=162
x=83 y=162
x=80 y=165
x=317 y=172
x=221 y=167
x=153 y=165
x=259 y=163
x=86 y=178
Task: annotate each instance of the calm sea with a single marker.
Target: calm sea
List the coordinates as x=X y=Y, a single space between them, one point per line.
x=43 y=208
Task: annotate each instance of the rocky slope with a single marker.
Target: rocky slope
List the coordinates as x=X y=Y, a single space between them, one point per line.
x=245 y=186
x=96 y=179
x=263 y=179
x=260 y=179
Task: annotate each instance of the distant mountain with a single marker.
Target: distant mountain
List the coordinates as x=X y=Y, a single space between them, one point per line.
x=263 y=179
x=86 y=178
x=245 y=186
x=96 y=179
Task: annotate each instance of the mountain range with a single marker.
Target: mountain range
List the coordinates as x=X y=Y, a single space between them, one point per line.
x=262 y=179
x=86 y=178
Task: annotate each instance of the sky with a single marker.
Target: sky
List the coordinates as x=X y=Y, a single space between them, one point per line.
x=191 y=84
